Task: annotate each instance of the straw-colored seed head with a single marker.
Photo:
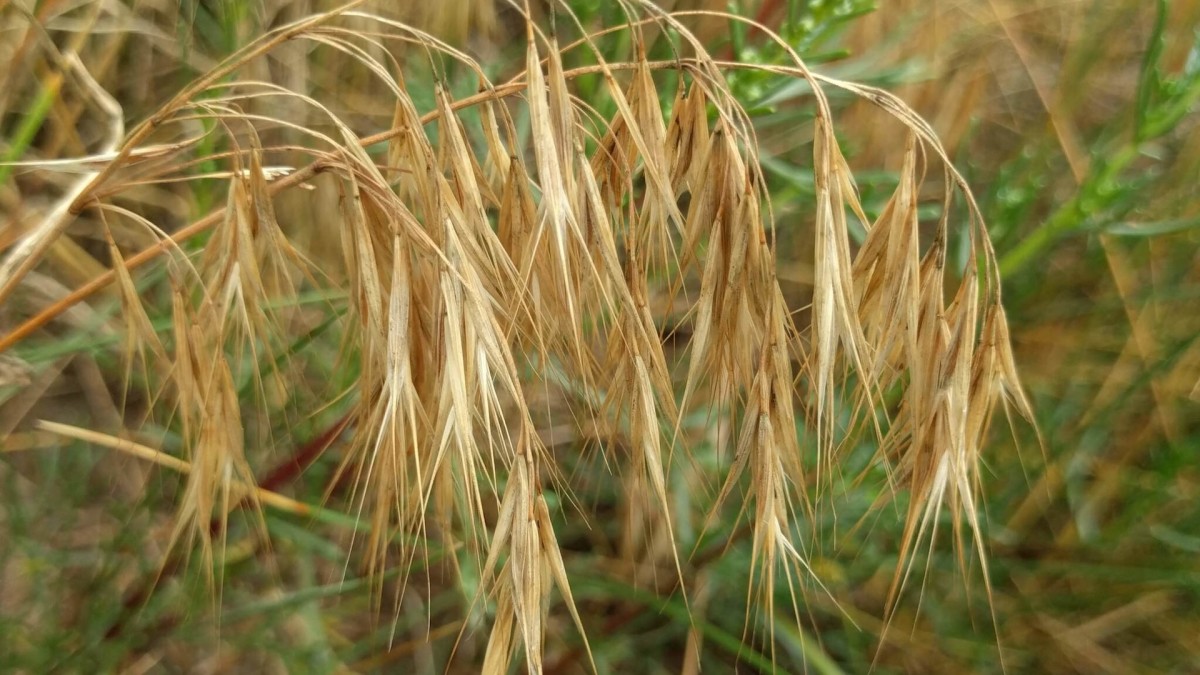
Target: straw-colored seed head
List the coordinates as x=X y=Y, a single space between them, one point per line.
x=520 y=244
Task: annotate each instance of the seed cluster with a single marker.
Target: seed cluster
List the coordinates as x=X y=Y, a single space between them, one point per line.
x=479 y=257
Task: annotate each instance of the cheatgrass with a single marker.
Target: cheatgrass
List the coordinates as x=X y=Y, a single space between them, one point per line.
x=472 y=268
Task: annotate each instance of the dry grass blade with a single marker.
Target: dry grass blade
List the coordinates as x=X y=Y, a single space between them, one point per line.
x=34 y=244
x=265 y=497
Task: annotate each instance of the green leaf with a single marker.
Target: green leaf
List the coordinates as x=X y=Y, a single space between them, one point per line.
x=1152 y=229
x=1150 y=79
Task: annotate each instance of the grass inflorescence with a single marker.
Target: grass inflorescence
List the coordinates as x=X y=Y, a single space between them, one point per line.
x=508 y=310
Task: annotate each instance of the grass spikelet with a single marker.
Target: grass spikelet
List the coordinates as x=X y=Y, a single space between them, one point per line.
x=499 y=158
x=835 y=317
x=231 y=265
x=641 y=391
x=477 y=377
x=722 y=339
x=885 y=275
x=517 y=218
x=660 y=216
x=410 y=148
x=526 y=575
x=391 y=474
x=142 y=344
x=557 y=223
x=768 y=448
x=688 y=142
x=212 y=427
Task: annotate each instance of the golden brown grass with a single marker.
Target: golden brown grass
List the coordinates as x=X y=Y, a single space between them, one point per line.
x=1043 y=99
x=519 y=231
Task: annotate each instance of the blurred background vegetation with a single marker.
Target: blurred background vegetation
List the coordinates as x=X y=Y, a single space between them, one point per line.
x=1074 y=123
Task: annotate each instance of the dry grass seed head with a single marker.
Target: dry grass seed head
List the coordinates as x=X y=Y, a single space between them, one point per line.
x=444 y=309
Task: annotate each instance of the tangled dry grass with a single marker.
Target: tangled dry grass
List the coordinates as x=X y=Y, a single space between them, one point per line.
x=526 y=238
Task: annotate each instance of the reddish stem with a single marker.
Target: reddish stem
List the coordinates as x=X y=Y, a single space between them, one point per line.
x=304 y=456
